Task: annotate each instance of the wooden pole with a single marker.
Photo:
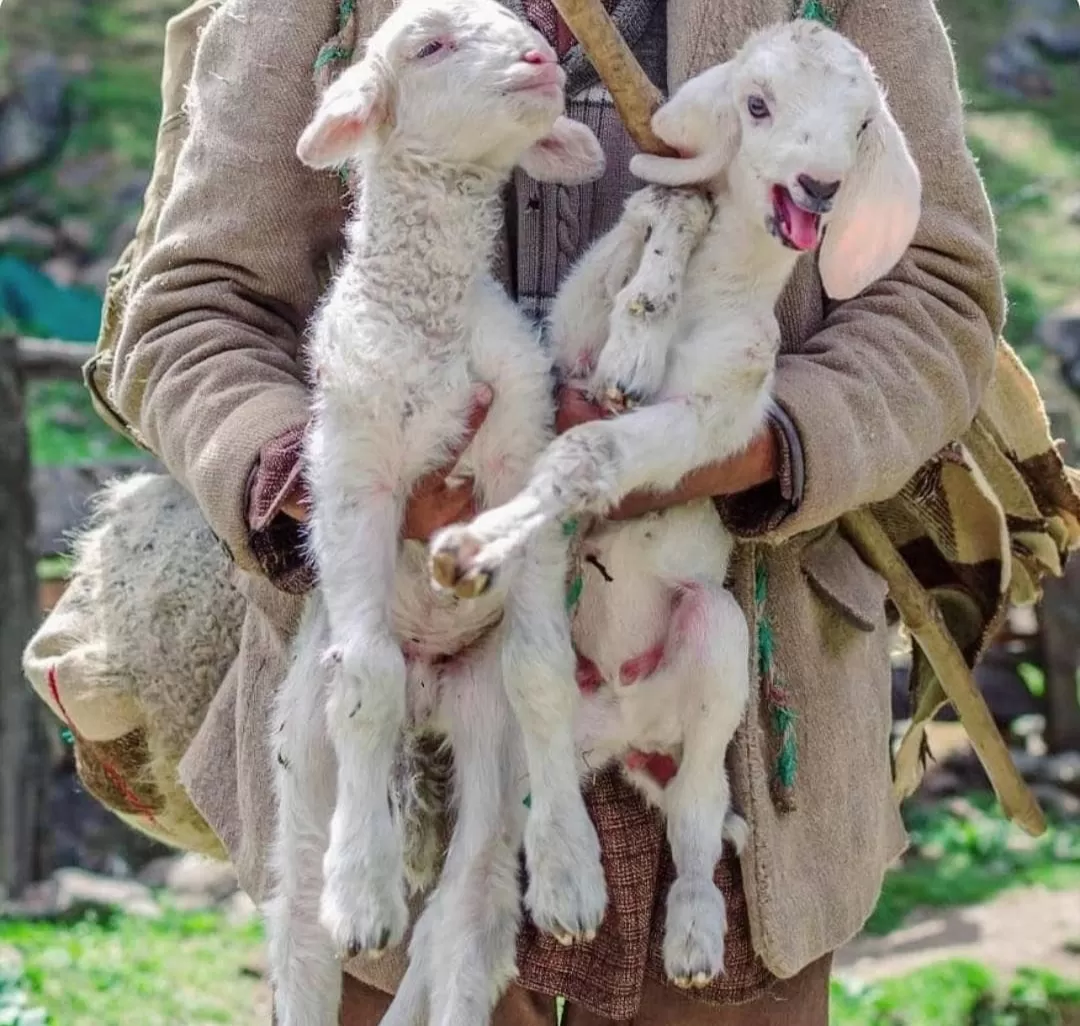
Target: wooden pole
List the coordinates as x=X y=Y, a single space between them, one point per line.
x=922 y=617
x=636 y=99
x=634 y=95
x=24 y=756
x=51 y=358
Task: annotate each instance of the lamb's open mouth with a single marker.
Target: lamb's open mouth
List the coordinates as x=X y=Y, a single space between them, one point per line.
x=795 y=227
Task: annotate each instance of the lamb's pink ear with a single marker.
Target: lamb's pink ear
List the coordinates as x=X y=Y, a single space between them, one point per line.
x=877 y=212
x=570 y=154
x=353 y=106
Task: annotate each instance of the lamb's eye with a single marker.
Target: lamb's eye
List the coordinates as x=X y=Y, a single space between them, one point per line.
x=862 y=128
x=758 y=108
x=429 y=49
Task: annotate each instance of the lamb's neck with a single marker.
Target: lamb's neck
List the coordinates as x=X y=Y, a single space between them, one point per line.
x=744 y=258
x=429 y=223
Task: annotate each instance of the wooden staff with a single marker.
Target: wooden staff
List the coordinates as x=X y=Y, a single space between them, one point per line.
x=636 y=98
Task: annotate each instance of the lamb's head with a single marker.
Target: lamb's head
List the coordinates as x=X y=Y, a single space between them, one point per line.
x=461 y=82
x=797 y=129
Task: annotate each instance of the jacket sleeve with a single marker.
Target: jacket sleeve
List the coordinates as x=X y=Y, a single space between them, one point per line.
x=896 y=373
x=208 y=361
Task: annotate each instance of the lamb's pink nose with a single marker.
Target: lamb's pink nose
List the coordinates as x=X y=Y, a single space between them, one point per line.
x=538 y=57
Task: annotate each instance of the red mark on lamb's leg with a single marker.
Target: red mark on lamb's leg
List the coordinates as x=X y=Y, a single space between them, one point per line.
x=641 y=666
x=661 y=767
x=587 y=674
x=689 y=617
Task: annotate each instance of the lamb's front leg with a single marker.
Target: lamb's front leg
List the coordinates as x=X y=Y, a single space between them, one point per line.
x=589 y=469
x=363 y=902
x=709 y=644
x=566 y=893
x=476 y=908
x=645 y=318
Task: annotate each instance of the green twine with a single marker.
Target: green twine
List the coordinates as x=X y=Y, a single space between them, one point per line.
x=329 y=54
x=782 y=716
x=573 y=593
x=67 y=737
x=527 y=801
x=815 y=10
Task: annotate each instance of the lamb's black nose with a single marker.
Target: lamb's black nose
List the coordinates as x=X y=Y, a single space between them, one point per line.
x=820 y=191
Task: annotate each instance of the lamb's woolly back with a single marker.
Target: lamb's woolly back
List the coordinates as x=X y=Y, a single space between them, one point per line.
x=142 y=638
x=795 y=132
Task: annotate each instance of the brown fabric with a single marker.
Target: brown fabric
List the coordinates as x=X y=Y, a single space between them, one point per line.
x=362 y=1005
x=208 y=367
x=801 y=1001
x=629 y=952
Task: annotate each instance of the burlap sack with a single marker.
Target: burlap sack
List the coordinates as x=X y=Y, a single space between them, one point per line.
x=135 y=650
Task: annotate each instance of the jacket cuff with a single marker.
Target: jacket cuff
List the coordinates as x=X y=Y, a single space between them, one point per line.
x=761 y=510
x=277 y=541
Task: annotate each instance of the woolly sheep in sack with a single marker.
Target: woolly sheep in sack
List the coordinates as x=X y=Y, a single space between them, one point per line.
x=674 y=308
x=450 y=96
x=136 y=648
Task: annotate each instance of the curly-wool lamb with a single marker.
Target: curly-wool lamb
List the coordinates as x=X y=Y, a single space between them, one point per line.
x=450 y=96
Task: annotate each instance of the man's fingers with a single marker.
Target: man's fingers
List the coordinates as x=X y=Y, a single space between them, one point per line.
x=479 y=405
x=575 y=408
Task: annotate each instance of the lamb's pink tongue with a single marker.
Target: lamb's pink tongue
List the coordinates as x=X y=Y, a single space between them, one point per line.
x=802 y=226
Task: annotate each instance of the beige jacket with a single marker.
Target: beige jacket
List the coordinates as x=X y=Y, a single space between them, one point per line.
x=208 y=370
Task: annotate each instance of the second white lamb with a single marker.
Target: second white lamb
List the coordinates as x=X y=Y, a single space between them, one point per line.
x=786 y=149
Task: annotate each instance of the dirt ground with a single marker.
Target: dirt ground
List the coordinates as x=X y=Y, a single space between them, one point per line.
x=1028 y=927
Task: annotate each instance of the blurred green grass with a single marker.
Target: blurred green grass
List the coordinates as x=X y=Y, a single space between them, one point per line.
x=181 y=970
x=956 y=993
x=964 y=860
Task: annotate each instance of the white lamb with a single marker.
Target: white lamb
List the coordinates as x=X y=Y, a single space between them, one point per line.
x=450 y=96
x=675 y=308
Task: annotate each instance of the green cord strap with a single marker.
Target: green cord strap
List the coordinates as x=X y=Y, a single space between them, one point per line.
x=815 y=10
x=777 y=699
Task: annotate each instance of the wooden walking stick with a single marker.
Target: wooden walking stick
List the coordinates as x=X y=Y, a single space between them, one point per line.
x=636 y=98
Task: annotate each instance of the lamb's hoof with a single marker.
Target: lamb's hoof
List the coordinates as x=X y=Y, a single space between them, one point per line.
x=473 y=585
x=444 y=570
x=619 y=399
x=364 y=920
x=567 y=892
x=453 y=567
x=694 y=933
x=567 y=939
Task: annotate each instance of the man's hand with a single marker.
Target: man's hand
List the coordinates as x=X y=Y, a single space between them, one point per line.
x=434 y=504
x=754 y=466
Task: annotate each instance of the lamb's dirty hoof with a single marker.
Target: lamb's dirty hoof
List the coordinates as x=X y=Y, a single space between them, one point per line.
x=473 y=585
x=444 y=569
x=357 y=947
x=618 y=399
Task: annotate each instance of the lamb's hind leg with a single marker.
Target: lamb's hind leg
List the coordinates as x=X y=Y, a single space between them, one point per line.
x=709 y=640
x=589 y=469
x=363 y=902
x=475 y=910
x=304 y=969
